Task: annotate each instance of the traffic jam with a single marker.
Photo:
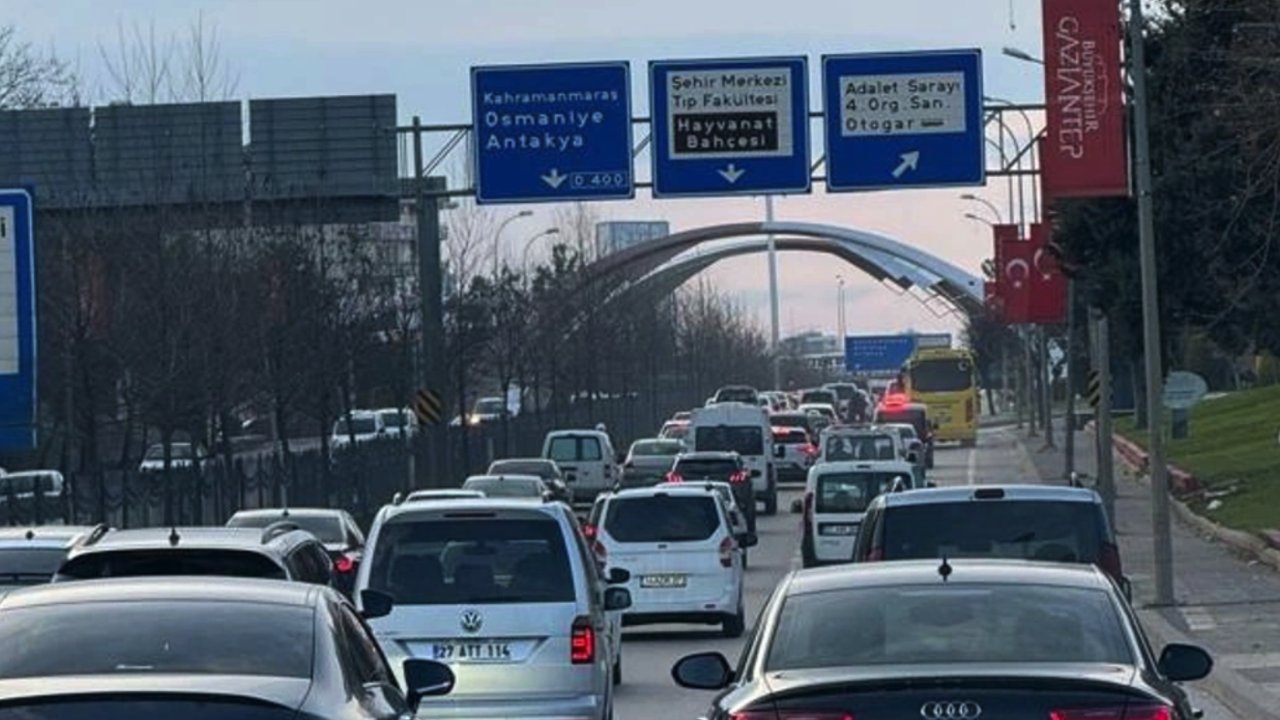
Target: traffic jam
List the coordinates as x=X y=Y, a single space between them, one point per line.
x=516 y=594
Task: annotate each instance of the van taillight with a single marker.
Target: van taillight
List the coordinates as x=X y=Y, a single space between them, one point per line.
x=1109 y=560
x=1141 y=712
x=738 y=477
x=582 y=642
x=589 y=531
x=674 y=477
x=726 y=552
x=344 y=564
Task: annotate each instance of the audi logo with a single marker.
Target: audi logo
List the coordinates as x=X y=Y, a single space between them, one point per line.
x=951 y=710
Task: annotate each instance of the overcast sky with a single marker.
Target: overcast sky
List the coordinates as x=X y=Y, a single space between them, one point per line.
x=421 y=50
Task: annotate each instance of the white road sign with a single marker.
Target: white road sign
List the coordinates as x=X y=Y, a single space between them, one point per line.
x=8 y=294
x=902 y=104
x=730 y=113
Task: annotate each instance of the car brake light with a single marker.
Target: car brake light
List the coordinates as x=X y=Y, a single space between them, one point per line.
x=726 y=552
x=790 y=715
x=738 y=476
x=1109 y=561
x=344 y=564
x=589 y=531
x=582 y=642
x=1141 y=712
x=674 y=477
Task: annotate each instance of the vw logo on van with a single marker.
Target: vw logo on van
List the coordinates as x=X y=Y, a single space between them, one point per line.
x=951 y=710
x=471 y=621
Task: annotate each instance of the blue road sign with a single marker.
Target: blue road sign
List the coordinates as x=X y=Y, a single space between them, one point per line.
x=877 y=354
x=730 y=127
x=898 y=120
x=17 y=322
x=545 y=133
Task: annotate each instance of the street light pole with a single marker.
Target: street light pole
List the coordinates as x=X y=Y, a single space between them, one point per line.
x=774 y=335
x=1160 y=524
x=528 y=245
x=497 y=238
x=840 y=317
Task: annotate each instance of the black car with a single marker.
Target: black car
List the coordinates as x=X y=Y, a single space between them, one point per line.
x=719 y=466
x=335 y=529
x=546 y=469
x=198 y=649
x=949 y=640
x=281 y=551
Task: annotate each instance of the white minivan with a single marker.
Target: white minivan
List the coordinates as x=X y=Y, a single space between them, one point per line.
x=504 y=591
x=836 y=496
x=587 y=459
x=744 y=429
x=678 y=546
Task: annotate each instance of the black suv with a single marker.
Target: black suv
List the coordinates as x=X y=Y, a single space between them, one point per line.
x=724 y=467
x=281 y=551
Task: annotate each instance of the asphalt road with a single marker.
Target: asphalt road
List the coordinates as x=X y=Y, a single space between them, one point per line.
x=648 y=652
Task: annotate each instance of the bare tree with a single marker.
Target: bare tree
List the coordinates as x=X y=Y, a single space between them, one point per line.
x=29 y=79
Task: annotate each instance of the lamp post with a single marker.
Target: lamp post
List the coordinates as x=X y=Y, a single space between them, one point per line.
x=979 y=218
x=497 y=237
x=840 y=316
x=528 y=245
x=986 y=203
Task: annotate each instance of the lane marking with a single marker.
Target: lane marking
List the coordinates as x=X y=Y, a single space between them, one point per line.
x=1198 y=618
x=1249 y=661
x=971 y=465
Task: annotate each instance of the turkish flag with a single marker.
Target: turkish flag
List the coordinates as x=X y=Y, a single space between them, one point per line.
x=1047 y=299
x=1013 y=274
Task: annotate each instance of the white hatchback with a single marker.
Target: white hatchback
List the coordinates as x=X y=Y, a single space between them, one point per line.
x=677 y=543
x=836 y=497
x=507 y=594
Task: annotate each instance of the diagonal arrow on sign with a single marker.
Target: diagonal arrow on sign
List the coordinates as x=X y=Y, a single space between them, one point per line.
x=910 y=161
x=731 y=173
x=554 y=178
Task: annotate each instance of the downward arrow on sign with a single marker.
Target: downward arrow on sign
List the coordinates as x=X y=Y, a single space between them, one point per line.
x=554 y=178
x=909 y=162
x=731 y=173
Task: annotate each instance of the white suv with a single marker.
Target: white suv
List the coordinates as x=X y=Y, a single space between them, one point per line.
x=507 y=594
x=677 y=544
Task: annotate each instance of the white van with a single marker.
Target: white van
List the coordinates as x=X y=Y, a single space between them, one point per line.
x=836 y=496
x=587 y=459
x=744 y=429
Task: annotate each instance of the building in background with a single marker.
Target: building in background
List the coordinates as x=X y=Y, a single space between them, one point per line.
x=620 y=235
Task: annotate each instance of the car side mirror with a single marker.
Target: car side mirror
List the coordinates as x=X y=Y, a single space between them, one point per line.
x=426 y=678
x=375 y=604
x=797 y=506
x=1183 y=663
x=616 y=598
x=748 y=540
x=779 y=451
x=618 y=576
x=703 y=671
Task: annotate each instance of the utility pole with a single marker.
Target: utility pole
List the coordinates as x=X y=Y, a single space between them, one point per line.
x=1046 y=387
x=1102 y=362
x=1160 y=527
x=1069 y=442
x=1028 y=382
x=775 y=339
x=431 y=296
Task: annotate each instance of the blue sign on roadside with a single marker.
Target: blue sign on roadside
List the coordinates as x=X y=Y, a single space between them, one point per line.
x=898 y=120
x=17 y=322
x=545 y=133
x=877 y=354
x=730 y=127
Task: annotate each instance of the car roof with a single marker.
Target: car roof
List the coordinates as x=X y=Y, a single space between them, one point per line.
x=202 y=589
x=658 y=440
x=789 y=414
x=529 y=460
x=855 y=430
x=996 y=493
x=286 y=513
x=963 y=571
x=450 y=493
x=570 y=433
x=31 y=473
x=517 y=477
x=854 y=466
x=43 y=536
x=708 y=455
x=434 y=510
x=208 y=538
x=675 y=489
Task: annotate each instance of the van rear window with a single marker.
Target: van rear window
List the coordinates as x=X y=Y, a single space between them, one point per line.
x=574 y=449
x=1017 y=529
x=662 y=518
x=742 y=439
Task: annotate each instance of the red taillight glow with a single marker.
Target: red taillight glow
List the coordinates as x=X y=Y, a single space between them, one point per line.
x=1109 y=561
x=726 y=552
x=1144 y=712
x=790 y=715
x=582 y=642
x=589 y=531
x=738 y=476
x=344 y=564
x=674 y=477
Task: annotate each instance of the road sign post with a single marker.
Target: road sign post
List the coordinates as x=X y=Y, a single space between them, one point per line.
x=17 y=321
x=730 y=127
x=1102 y=361
x=546 y=133
x=898 y=120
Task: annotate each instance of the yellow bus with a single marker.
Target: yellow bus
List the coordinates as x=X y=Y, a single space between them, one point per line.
x=945 y=380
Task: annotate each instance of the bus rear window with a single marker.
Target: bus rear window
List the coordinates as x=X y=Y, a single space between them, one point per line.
x=941 y=375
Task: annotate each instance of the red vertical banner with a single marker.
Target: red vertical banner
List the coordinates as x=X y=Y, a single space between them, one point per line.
x=1086 y=151
x=1013 y=274
x=1047 y=299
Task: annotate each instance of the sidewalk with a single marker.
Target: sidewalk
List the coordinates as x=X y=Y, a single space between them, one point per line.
x=1227 y=604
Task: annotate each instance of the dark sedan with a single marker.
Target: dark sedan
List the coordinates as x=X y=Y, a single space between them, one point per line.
x=198 y=649
x=962 y=640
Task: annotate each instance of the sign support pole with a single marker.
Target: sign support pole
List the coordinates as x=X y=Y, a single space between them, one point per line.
x=1162 y=540
x=774 y=310
x=1069 y=440
x=431 y=296
x=1102 y=361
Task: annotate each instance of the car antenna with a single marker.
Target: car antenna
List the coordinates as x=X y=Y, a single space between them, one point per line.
x=31 y=534
x=944 y=569
x=174 y=537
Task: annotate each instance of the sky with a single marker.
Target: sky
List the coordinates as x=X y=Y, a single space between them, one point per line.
x=422 y=51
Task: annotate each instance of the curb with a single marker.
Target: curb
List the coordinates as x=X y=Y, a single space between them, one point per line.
x=1247 y=544
x=1228 y=686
